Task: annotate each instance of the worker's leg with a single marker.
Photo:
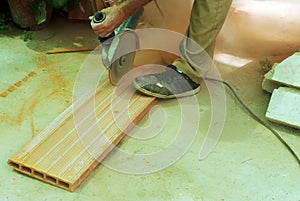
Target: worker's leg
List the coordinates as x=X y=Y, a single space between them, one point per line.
x=206 y=21
x=182 y=78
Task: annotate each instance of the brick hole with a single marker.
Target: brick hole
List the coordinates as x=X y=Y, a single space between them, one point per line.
x=15 y=165
x=26 y=169
x=64 y=184
x=51 y=179
x=38 y=174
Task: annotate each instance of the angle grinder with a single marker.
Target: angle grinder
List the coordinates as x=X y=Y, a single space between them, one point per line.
x=118 y=49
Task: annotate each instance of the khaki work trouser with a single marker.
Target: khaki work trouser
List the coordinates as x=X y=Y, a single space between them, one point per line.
x=206 y=21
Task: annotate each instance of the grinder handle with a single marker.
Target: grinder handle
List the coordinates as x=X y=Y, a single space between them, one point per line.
x=98 y=18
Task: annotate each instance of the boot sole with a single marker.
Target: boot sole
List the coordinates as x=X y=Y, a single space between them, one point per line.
x=161 y=96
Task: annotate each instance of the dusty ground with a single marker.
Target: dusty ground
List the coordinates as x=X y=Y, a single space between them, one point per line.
x=248 y=163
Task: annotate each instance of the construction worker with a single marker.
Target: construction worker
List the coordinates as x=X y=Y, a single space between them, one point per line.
x=206 y=20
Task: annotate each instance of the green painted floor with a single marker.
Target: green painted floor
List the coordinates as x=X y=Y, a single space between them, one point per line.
x=248 y=163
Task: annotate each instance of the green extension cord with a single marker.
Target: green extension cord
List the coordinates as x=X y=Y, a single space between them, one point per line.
x=259 y=120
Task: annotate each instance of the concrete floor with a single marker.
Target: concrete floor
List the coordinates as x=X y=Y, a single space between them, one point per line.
x=248 y=163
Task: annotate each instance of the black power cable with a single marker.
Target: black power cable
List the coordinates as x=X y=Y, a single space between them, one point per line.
x=258 y=119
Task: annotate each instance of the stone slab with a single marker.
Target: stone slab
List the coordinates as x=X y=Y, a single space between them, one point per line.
x=284 y=107
x=268 y=84
x=288 y=71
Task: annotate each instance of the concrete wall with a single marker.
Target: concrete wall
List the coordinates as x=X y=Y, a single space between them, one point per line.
x=253 y=27
x=257 y=28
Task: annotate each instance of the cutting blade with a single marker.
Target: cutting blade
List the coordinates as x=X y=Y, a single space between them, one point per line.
x=122 y=54
x=120 y=67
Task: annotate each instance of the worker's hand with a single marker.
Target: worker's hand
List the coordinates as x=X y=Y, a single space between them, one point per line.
x=114 y=18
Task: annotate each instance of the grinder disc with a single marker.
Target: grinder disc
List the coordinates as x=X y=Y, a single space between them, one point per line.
x=120 y=67
x=125 y=46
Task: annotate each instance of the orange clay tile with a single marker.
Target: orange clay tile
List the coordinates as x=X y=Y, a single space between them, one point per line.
x=25 y=79
x=11 y=88
x=31 y=74
x=58 y=155
x=18 y=84
x=4 y=94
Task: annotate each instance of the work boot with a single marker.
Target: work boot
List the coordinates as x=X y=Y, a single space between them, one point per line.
x=171 y=83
